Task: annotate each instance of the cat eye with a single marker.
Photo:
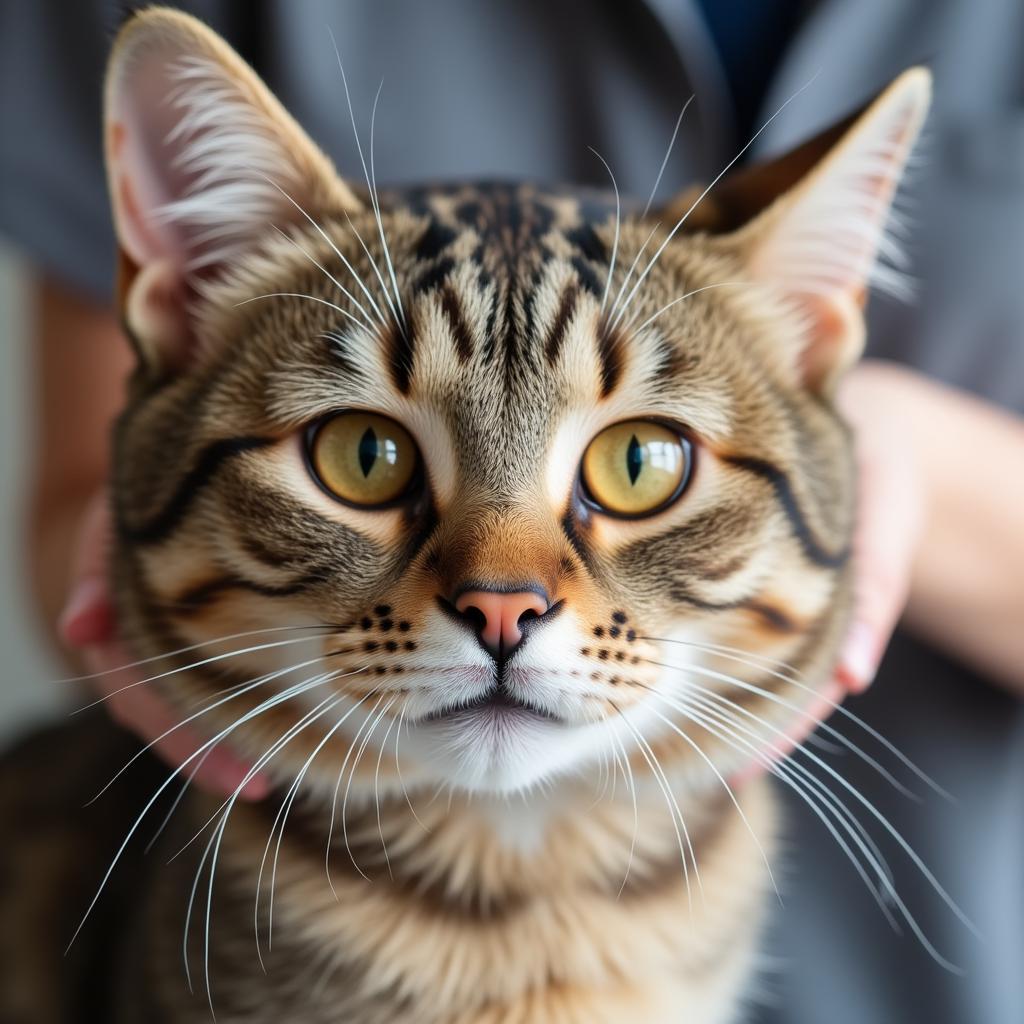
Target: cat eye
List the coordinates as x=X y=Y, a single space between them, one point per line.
x=636 y=468
x=363 y=458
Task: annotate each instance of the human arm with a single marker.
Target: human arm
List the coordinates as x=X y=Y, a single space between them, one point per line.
x=941 y=537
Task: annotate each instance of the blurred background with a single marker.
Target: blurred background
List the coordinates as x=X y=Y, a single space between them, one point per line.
x=29 y=672
x=521 y=88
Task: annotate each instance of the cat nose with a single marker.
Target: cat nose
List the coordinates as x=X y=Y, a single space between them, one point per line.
x=498 y=617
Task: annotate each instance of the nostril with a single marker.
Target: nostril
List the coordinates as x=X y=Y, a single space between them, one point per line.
x=498 y=617
x=476 y=618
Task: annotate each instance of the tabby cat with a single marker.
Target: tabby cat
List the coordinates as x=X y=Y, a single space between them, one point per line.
x=499 y=526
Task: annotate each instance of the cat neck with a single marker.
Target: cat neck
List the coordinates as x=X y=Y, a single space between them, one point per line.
x=599 y=889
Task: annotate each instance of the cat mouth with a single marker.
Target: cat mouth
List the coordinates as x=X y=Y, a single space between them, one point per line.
x=496 y=703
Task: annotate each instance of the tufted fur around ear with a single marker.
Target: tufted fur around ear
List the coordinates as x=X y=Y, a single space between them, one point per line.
x=202 y=161
x=818 y=244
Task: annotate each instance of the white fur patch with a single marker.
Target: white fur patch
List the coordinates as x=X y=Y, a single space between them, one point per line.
x=234 y=165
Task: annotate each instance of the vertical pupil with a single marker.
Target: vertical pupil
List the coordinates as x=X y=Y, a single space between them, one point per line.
x=369 y=449
x=634 y=459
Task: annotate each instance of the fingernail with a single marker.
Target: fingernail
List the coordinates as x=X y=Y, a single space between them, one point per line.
x=86 y=617
x=858 y=659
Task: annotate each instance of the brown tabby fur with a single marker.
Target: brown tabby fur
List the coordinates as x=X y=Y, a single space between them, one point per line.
x=569 y=904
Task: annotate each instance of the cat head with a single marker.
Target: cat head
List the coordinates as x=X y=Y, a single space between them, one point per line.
x=497 y=471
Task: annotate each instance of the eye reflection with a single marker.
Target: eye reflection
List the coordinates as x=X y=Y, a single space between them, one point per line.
x=635 y=468
x=363 y=458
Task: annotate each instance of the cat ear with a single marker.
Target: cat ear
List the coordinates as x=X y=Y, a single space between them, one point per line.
x=818 y=243
x=202 y=161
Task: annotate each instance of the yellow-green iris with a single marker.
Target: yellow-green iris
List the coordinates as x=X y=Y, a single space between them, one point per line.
x=364 y=458
x=635 y=468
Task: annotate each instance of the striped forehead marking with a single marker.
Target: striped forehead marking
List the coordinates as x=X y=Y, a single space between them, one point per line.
x=513 y=233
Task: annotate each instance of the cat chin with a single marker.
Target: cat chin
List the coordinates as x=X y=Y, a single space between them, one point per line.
x=517 y=753
x=492 y=752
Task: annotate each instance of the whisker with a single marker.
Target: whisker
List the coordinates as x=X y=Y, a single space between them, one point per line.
x=310 y=683
x=334 y=803
x=728 y=789
x=376 y=782
x=217 y=838
x=287 y=806
x=809 y=787
x=188 y=917
x=299 y=295
x=885 y=823
x=668 y=154
x=289 y=796
x=376 y=272
x=337 y=252
x=782 y=770
x=789 y=763
x=194 y=647
x=330 y=277
x=376 y=209
x=689 y=294
x=627 y=775
x=673 y=806
x=248 y=687
x=721 y=174
x=835 y=706
x=370 y=184
x=618 y=225
x=805 y=714
x=604 y=777
x=746 y=657
x=703 y=699
x=355 y=765
x=214 y=845
x=398 y=770
x=629 y=273
x=248 y=716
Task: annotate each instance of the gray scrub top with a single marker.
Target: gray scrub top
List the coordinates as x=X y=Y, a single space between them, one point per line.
x=521 y=88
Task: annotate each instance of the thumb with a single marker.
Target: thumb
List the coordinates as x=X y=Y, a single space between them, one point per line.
x=890 y=513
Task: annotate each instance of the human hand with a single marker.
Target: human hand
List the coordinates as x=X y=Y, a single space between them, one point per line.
x=88 y=624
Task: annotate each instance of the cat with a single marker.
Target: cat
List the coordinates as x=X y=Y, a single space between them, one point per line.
x=499 y=526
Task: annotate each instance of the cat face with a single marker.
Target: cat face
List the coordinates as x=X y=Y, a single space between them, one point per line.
x=493 y=472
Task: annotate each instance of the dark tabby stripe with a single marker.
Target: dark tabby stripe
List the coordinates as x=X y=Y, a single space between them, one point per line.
x=435 y=276
x=210 y=460
x=452 y=309
x=434 y=241
x=609 y=351
x=202 y=594
x=812 y=548
x=586 y=239
x=401 y=350
x=561 y=324
x=588 y=278
x=773 y=616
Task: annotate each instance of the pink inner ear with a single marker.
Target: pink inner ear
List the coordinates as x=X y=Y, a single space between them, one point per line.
x=155 y=311
x=836 y=331
x=143 y=162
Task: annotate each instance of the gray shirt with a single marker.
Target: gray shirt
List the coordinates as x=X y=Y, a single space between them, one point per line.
x=489 y=88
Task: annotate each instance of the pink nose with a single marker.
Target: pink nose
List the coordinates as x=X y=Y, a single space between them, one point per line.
x=501 y=613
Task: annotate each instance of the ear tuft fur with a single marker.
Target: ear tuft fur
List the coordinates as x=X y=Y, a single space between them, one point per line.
x=202 y=161
x=821 y=244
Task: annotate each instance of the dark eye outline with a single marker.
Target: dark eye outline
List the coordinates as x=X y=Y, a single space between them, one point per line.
x=689 y=447
x=413 y=489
